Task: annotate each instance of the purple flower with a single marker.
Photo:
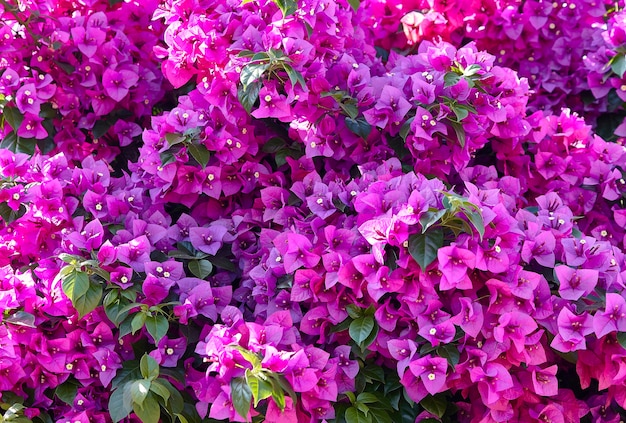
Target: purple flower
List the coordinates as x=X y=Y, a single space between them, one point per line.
x=117 y=84
x=574 y=283
x=432 y=372
x=613 y=319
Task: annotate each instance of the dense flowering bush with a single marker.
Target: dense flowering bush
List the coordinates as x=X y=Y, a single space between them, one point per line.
x=312 y=211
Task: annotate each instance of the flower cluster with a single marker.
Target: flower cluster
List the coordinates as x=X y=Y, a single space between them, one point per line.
x=386 y=226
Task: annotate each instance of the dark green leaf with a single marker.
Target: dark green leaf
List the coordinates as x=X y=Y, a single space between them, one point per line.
x=288 y=7
x=380 y=416
x=9 y=142
x=273 y=145
x=157 y=326
x=353 y=415
x=245 y=53
x=174 y=138
x=13 y=116
x=367 y=398
x=69 y=69
x=460 y=132
x=200 y=268
x=406 y=127
x=66 y=392
x=621 y=338
x=370 y=339
x=200 y=153
x=167 y=157
x=120 y=405
x=373 y=372
x=450 y=352
x=618 y=64
x=149 y=367
x=350 y=110
x=8 y=214
x=102 y=126
x=451 y=78
x=149 y=411
x=176 y=402
x=252 y=72
x=423 y=247
x=26 y=145
x=241 y=396
x=435 y=404
x=249 y=95
x=361 y=328
x=359 y=127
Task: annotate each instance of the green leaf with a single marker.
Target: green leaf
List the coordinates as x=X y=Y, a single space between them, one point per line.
x=471 y=70
x=139 y=390
x=13 y=116
x=353 y=415
x=161 y=390
x=66 y=392
x=21 y=318
x=621 y=338
x=102 y=126
x=149 y=411
x=157 y=326
x=380 y=416
x=120 y=406
x=261 y=389
x=176 y=402
x=618 y=64
x=250 y=357
x=241 y=396
x=350 y=110
x=367 y=398
x=370 y=339
x=278 y=395
x=460 y=112
x=476 y=219
x=86 y=303
x=359 y=127
x=167 y=157
x=460 y=132
x=361 y=328
x=200 y=268
x=354 y=311
x=295 y=77
x=423 y=247
x=355 y=4
x=435 y=404
x=174 y=138
x=252 y=72
x=273 y=145
x=450 y=352
x=249 y=95
x=200 y=153
x=8 y=214
x=75 y=284
x=406 y=127
x=430 y=218
x=288 y=7
x=149 y=367
x=138 y=321
x=9 y=142
x=26 y=145
x=451 y=78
